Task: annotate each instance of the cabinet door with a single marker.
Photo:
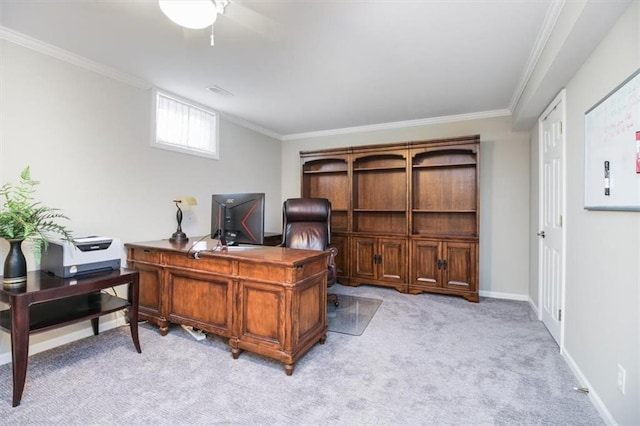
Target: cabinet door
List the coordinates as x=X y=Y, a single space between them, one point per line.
x=201 y=300
x=392 y=263
x=461 y=266
x=150 y=287
x=341 y=243
x=425 y=271
x=147 y=263
x=260 y=320
x=362 y=257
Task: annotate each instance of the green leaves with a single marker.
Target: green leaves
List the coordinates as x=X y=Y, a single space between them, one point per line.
x=21 y=217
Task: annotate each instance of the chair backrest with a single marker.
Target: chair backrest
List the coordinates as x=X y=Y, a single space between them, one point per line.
x=306 y=223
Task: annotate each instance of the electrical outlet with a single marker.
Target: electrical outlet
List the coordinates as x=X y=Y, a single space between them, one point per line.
x=622 y=378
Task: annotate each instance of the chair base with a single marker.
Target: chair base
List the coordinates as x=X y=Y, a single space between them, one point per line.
x=333 y=298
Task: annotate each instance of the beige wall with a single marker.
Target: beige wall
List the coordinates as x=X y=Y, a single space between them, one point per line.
x=602 y=311
x=504 y=191
x=603 y=248
x=534 y=185
x=86 y=138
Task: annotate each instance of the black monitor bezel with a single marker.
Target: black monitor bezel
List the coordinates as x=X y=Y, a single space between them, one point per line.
x=236 y=204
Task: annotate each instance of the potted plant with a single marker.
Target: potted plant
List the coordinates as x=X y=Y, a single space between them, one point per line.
x=24 y=219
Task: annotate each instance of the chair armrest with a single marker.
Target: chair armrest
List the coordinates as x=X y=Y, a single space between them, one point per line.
x=332 y=256
x=332 y=268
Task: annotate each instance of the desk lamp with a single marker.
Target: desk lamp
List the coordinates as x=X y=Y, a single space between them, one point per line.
x=179 y=236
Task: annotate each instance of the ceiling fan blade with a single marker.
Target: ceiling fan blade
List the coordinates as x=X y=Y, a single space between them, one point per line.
x=253 y=21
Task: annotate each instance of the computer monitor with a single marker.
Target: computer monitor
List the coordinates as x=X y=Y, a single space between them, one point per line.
x=238 y=218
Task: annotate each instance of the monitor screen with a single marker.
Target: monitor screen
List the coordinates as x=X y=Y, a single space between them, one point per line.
x=238 y=218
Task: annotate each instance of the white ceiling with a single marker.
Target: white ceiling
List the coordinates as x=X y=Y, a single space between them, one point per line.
x=296 y=67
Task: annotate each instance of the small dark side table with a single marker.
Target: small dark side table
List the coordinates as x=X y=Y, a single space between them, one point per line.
x=47 y=302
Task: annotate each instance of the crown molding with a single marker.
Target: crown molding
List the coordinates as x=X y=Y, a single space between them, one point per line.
x=251 y=126
x=553 y=13
x=66 y=56
x=400 y=124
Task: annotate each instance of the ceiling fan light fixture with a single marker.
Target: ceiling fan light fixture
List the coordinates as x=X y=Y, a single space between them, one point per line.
x=193 y=14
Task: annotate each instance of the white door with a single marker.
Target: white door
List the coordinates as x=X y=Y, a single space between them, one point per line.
x=551 y=234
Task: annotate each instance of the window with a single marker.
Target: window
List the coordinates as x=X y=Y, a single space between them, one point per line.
x=185 y=127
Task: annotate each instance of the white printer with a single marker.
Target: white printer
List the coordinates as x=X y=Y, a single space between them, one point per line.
x=89 y=255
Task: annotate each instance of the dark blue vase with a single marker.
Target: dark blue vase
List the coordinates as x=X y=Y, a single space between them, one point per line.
x=15 y=266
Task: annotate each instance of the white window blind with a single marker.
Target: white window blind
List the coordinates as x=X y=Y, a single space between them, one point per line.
x=185 y=127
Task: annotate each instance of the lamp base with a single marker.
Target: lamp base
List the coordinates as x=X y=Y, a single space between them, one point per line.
x=179 y=237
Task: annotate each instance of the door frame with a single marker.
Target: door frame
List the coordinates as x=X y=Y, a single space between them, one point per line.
x=559 y=101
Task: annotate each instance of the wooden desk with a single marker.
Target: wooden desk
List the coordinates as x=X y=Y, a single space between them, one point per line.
x=46 y=302
x=267 y=300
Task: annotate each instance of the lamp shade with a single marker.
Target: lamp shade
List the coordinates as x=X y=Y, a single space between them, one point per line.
x=194 y=14
x=186 y=200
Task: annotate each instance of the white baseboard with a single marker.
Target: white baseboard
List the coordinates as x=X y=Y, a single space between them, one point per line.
x=593 y=395
x=66 y=338
x=508 y=296
x=534 y=308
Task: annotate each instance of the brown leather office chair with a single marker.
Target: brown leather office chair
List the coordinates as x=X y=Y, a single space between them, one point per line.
x=307 y=225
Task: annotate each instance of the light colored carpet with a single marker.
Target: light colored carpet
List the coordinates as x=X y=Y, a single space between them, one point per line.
x=423 y=360
x=352 y=315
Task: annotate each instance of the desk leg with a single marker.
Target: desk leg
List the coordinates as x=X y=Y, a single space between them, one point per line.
x=163 y=324
x=19 y=346
x=235 y=350
x=134 y=292
x=288 y=369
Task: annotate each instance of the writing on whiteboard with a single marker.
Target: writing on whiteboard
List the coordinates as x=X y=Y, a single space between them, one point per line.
x=611 y=140
x=620 y=114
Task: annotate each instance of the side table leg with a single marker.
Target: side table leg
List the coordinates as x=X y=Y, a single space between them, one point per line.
x=95 y=324
x=134 y=292
x=19 y=347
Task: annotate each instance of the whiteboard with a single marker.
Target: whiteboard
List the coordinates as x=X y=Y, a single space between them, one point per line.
x=612 y=149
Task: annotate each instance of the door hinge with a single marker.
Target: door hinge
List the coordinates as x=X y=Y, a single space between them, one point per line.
x=560 y=221
x=559 y=314
x=561 y=127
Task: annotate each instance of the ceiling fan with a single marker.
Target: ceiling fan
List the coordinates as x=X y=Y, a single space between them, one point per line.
x=200 y=14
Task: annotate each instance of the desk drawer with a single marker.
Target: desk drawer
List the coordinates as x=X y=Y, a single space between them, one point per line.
x=144 y=255
x=218 y=265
